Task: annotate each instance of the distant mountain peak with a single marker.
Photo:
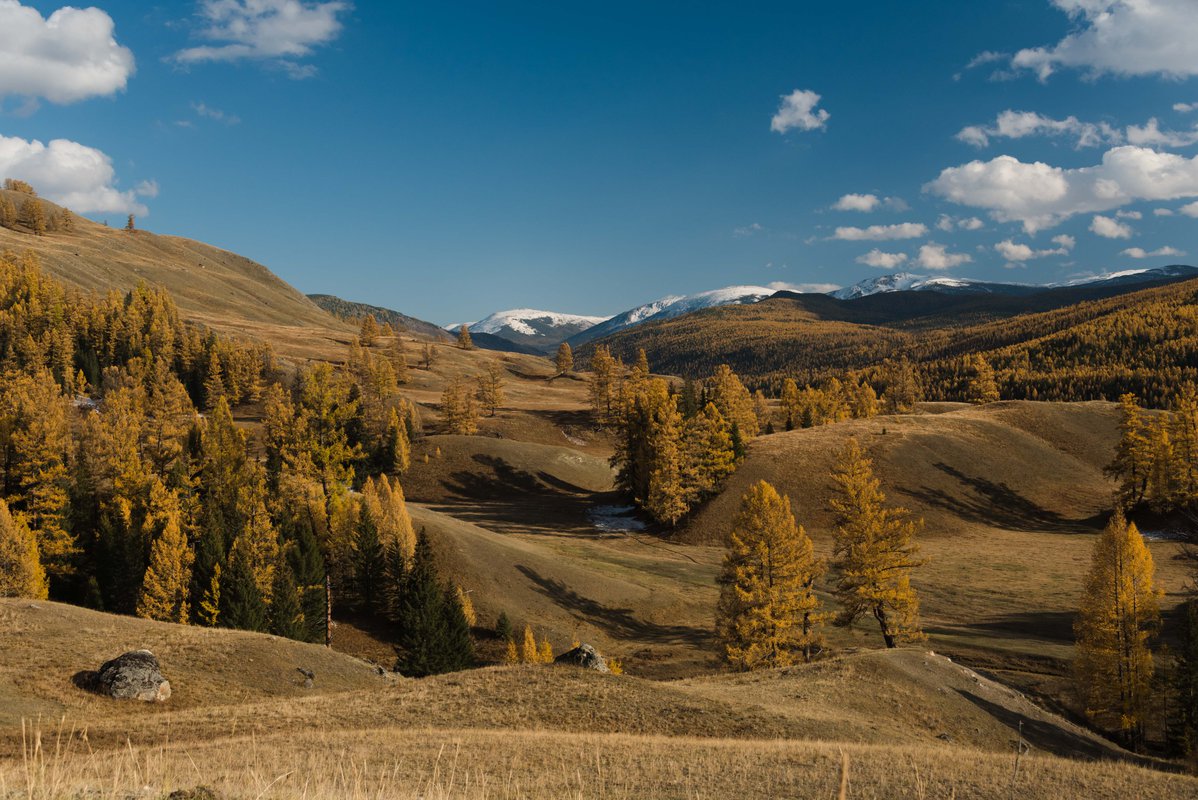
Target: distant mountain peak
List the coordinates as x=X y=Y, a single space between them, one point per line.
x=911 y=282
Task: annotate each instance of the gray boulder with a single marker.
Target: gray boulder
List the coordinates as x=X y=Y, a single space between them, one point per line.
x=133 y=676
x=583 y=656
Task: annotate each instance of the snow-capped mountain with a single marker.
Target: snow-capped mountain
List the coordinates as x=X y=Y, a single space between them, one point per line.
x=543 y=330
x=909 y=282
x=673 y=306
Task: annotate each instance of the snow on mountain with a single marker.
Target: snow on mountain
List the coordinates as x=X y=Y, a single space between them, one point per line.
x=674 y=306
x=909 y=282
x=543 y=330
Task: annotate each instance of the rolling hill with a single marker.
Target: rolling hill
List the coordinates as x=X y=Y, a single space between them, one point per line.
x=215 y=287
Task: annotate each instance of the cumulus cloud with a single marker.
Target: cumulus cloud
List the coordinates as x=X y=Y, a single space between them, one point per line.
x=1021 y=124
x=1040 y=196
x=1129 y=215
x=1190 y=210
x=936 y=256
x=950 y=223
x=1122 y=37
x=71 y=174
x=878 y=233
x=1139 y=252
x=881 y=260
x=69 y=56
x=857 y=202
x=1184 y=108
x=798 y=111
x=274 y=31
x=1151 y=135
x=1109 y=228
x=1018 y=252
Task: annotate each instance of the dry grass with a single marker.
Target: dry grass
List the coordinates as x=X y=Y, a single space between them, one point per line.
x=444 y=763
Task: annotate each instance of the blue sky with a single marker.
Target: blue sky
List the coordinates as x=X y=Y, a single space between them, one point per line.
x=452 y=159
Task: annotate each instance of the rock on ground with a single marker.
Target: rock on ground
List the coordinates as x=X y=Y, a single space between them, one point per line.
x=584 y=656
x=133 y=676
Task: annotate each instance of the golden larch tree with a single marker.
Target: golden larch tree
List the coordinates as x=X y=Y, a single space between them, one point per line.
x=603 y=387
x=1119 y=615
x=21 y=573
x=369 y=331
x=166 y=585
x=875 y=551
x=1133 y=457
x=458 y=410
x=490 y=388
x=464 y=340
x=564 y=360
x=733 y=400
x=768 y=613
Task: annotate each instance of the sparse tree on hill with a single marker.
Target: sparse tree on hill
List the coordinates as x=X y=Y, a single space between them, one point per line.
x=490 y=388
x=428 y=355
x=130 y=224
x=768 y=612
x=458 y=411
x=21 y=573
x=369 y=331
x=33 y=213
x=397 y=447
x=1119 y=615
x=564 y=360
x=528 y=647
x=467 y=606
x=545 y=651
x=875 y=552
x=503 y=627
x=464 y=340
x=15 y=185
x=982 y=386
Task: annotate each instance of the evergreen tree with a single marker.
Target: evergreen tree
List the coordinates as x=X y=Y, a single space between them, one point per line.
x=564 y=360
x=397 y=448
x=368 y=559
x=464 y=340
x=768 y=612
x=1119 y=615
x=286 y=613
x=458 y=644
x=21 y=573
x=429 y=620
x=307 y=567
x=241 y=603
x=503 y=627
x=209 y=605
x=875 y=551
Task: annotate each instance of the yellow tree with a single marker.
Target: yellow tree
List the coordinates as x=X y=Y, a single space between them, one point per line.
x=603 y=387
x=768 y=612
x=1133 y=458
x=708 y=456
x=983 y=388
x=875 y=551
x=902 y=385
x=34 y=214
x=564 y=360
x=733 y=400
x=458 y=411
x=21 y=573
x=1161 y=491
x=383 y=500
x=528 y=647
x=369 y=331
x=166 y=586
x=863 y=400
x=464 y=340
x=1119 y=615
x=490 y=388
x=1184 y=436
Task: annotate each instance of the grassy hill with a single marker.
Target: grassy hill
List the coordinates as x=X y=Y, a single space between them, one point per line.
x=910 y=724
x=1076 y=343
x=220 y=289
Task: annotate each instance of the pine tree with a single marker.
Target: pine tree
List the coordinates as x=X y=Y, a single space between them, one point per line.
x=667 y=500
x=490 y=388
x=503 y=627
x=768 y=612
x=368 y=559
x=165 y=588
x=875 y=551
x=214 y=383
x=467 y=606
x=369 y=331
x=1183 y=433
x=307 y=566
x=982 y=386
x=464 y=340
x=209 y=605
x=458 y=645
x=428 y=644
x=287 y=617
x=131 y=224
x=564 y=360
x=791 y=404
x=398 y=448
x=21 y=573
x=1119 y=615
x=241 y=603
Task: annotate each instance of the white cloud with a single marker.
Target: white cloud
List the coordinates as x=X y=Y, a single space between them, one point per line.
x=1123 y=37
x=1190 y=210
x=798 y=111
x=1109 y=228
x=747 y=230
x=1162 y=212
x=1040 y=195
x=1139 y=252
x=1129 y=215
x=71 y=174
x=1151 y=135
x=881 y=260
x=949 y=223
x=208 y=112
x=857 y=202
x=69 y=56
x=1018 y=252
x=1021 y=124
x=1185 y=108
x=276 y=31
x=936 y=256
x=878 y=233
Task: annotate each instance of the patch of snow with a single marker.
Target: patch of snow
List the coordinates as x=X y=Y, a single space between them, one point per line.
x=615 y=519
x=521 y=320
x=1163 y=536
x=676 y=305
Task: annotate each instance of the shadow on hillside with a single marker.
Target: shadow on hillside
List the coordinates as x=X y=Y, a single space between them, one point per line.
x=618 y=622
x=565 y=419
x=1057 y=740
x=499 y=480
x=1053 y=626
x=999 y=505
